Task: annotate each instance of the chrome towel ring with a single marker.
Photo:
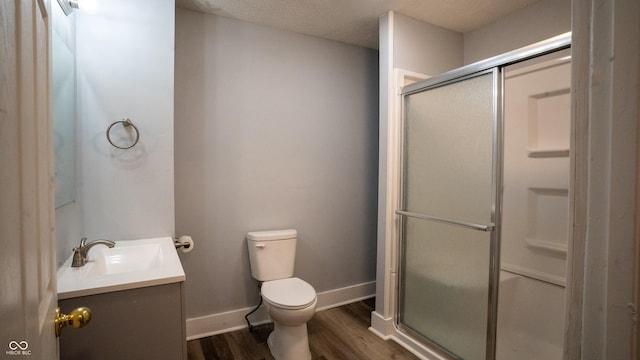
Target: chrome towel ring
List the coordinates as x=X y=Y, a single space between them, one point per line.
x=125 y=123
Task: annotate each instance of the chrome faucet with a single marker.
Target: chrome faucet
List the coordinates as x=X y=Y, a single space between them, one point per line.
x=80 y=252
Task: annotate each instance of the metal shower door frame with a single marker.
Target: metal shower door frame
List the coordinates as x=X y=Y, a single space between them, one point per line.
x=491 y=227
x=496 y=66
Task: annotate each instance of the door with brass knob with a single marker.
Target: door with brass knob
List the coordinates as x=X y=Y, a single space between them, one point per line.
x=77 y=318
x=27 y=211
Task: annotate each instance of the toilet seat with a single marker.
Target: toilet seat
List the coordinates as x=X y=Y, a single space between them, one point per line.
x=291 y=293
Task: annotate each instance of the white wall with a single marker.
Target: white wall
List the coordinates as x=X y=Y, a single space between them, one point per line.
x=534 y=23
x=273 y=130
x=125 y=54
x=603 y=306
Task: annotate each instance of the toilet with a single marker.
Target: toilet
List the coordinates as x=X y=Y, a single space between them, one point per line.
x=290 y=301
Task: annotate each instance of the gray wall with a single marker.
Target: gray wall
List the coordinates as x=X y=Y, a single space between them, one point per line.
x=125 y=55
x=272 y=130
x=121 y=194
x=425 y=48
x=534 y=23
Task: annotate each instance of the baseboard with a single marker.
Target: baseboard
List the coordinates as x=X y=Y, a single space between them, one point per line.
x=346 y=295
x=381 y=326
x=214 y=324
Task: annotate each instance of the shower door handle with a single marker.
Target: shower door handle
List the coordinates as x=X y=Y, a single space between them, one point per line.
x=467 y=225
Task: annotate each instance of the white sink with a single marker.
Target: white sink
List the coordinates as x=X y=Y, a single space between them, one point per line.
x=130 y=264
x=122 y=259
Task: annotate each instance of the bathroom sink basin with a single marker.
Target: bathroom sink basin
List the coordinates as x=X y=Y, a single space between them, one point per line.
x=129 y=264
x=123 y=259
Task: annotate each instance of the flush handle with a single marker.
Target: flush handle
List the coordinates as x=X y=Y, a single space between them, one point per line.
x=261 y=245
x=77 y=318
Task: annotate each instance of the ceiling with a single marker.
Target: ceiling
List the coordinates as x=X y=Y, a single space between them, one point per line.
x=356 y=21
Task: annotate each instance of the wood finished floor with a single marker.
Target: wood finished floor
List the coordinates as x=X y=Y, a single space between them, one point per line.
x=339 y=333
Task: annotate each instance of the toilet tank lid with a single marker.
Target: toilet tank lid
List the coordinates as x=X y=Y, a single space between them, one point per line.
x=272 y=235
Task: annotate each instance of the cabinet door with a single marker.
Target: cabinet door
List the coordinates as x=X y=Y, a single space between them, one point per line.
x=144 y=323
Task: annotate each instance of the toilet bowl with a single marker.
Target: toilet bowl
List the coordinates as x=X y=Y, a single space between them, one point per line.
x=290 y=304
x=290 y=301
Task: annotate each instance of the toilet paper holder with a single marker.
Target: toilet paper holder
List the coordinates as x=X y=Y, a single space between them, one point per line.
x=183 y=242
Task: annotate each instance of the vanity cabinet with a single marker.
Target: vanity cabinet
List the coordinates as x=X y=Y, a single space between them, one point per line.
x=140 y=323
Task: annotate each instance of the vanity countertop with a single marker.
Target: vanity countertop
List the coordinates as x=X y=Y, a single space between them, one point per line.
x=128 y=265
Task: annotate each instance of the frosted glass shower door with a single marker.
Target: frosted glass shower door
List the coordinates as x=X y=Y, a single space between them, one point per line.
x=448 y=243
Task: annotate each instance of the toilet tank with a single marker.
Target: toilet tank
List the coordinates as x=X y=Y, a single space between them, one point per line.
x=272 y=254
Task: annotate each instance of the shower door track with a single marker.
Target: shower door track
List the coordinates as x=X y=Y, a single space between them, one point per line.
x=554 y=44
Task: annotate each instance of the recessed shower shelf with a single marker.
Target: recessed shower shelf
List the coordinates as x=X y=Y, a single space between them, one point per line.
x=548 y=153
x=552 y=246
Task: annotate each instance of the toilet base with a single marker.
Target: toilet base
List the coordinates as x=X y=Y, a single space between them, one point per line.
x=289 y=342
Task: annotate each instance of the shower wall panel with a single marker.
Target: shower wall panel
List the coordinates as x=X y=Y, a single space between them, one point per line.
x=536 y=170
x=535 y=213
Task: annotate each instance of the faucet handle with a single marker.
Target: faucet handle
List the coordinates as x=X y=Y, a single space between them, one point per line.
x=82 y=242
x=78 y=259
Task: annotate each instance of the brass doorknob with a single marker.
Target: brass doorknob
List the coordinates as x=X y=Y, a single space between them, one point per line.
x=77 y=318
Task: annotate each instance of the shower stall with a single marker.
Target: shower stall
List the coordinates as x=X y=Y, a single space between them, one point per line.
x=483 y=204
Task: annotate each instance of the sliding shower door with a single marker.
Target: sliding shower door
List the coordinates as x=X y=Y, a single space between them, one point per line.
x=448 y=244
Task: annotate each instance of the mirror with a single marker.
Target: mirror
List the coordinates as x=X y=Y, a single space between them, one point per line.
x=64 y=119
